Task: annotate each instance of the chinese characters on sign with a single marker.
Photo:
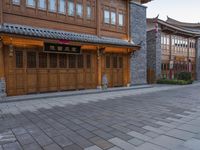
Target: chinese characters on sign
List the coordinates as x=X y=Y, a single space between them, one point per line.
x=61 y=48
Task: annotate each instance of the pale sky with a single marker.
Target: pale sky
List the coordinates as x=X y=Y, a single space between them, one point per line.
x=182 y=10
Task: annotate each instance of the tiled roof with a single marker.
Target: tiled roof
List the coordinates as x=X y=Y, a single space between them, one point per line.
x=61 y=35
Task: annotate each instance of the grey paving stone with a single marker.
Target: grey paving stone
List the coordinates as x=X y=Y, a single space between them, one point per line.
x=180 y=134
x=73 y=147
x=150 y=146
x=103 y=144
x=93 y=148
x=19 y=131
x=52 y=147
x=122 y=144
x=115 y=148
x=103 y=134
x=25 y=139
x=43 y=140
x=121 y=135
x=189 y=128
x=152 y=134
x=136 y=141
x=85 y=133
x=32 y=146
x=193 y=144
x=157 y=130
x=12 y=146
x=166 y=141
x=62 y=141
x=140 y=136
x=7 y=137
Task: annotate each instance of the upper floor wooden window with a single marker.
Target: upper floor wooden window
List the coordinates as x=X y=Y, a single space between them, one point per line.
x=31 y=59
x=52 y=5
x=19 y=59
x=106 y=16
x=62 y=6
x=31 y=3
x=53 y=60
x=42 y=60
x=89 y=11
x=121 y=19
x=71 y=8
x=16 y=2
x=79 y=10
x=113 y=18
x=42 y=4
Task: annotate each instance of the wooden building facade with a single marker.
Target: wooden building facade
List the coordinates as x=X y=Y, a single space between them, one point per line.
x=176 y=49
x=59 y=45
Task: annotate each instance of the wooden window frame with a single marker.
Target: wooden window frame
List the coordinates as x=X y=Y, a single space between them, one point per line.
x=45 y=5
x=43 y=63
x=53 y=61
x=30 y=60
x=16 y=2
x=55 y=6
x=31 y=6
x=19 y=60
x=59 y=4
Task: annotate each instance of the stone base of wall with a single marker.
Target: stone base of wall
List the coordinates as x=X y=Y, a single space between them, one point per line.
x=2 y=89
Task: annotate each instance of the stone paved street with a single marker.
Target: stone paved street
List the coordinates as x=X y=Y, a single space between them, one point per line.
x=158 y=118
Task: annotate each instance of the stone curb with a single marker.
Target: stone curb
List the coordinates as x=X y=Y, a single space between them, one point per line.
x=67 y=94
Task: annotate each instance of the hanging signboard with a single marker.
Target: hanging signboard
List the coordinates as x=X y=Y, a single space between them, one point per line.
x=61 y=48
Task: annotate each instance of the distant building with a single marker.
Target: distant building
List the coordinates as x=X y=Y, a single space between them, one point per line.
x=172 y=47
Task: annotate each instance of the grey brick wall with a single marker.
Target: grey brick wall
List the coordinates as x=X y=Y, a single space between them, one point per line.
x=154 y=52
x=198 y=59
x=2 y=88
x=138 y=36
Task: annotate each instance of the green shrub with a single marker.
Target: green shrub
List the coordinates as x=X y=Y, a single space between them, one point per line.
x=174 y=82
x=186 y=76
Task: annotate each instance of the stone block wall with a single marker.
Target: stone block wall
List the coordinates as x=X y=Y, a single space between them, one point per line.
x=198 y=60
x=2 y=89
x=154 y=52
x=138 y=36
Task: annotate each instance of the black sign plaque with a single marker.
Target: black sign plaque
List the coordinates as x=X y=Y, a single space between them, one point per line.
x=61 y=48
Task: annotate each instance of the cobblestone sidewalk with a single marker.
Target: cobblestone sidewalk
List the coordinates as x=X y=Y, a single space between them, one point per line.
x=160 y=118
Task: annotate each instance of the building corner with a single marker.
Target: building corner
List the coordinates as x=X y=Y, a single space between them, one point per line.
x=138 y=36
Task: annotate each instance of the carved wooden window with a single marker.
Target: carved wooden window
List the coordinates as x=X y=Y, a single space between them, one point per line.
x=53 y=60
x=31 y=3
x=19 y=59
x=113 y=18
x=62 y=6
x=42 y=60
x=107 y=61
x=70 y=7
x=16 y=2
x=120 y=62
x=72 y=61
x=114 y=59
x=52 y=5
x=121 y=19
x=88 y=61
x=79 y=10
x=31 y=59
x=80 y=61
x=42 y=4
x=63 y=60
x=106 y=16
x=88 y=11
